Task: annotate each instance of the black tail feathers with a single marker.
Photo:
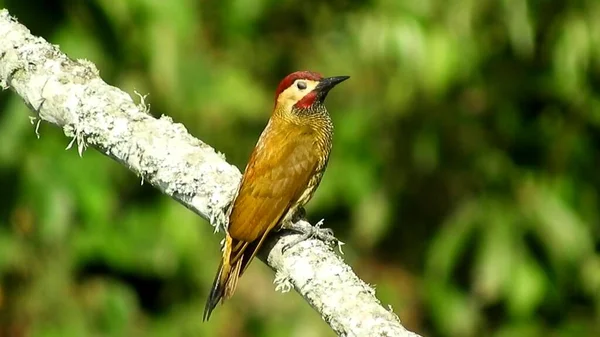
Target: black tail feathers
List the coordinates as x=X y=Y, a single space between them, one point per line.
x=235 y=259
x=216 y=294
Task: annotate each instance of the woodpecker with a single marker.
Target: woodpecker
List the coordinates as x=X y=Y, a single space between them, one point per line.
x=284 y=170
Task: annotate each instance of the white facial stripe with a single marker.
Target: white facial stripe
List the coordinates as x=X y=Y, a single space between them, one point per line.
x=293 y=94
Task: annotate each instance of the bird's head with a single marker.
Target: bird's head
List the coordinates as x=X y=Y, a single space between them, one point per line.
x=304 y=90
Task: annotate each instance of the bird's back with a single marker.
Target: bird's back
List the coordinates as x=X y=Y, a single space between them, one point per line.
x=280 y=169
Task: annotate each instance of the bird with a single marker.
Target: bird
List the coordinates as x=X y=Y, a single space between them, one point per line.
x=282 y=174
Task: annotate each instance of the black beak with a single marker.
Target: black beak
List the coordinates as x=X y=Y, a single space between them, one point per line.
x=327 y=83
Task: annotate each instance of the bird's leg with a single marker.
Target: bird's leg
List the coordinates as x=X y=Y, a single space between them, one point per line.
x=306 y=230
x=298 y=215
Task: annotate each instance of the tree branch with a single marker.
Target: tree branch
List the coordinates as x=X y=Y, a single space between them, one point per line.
x=70 y=94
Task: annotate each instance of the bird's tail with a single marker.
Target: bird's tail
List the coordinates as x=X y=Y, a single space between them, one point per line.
x=232 y=266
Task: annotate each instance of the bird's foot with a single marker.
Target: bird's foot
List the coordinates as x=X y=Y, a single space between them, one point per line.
x=307 y=231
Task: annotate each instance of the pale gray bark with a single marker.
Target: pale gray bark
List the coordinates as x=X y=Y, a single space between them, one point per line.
x=70 y=94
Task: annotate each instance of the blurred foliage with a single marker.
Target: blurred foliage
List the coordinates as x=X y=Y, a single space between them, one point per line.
x=464 y=177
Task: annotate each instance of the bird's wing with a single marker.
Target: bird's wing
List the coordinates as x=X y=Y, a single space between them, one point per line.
x=279 y=170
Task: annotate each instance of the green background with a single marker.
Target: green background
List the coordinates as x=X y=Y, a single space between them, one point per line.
x=464 y=177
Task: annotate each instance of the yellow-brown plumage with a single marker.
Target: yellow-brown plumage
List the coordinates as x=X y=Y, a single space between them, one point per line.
x=282 y=174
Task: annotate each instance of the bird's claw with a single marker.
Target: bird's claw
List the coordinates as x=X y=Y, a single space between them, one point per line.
x=307 y=231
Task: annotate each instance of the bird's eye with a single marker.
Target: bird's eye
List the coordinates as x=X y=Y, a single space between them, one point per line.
x=301 y=85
